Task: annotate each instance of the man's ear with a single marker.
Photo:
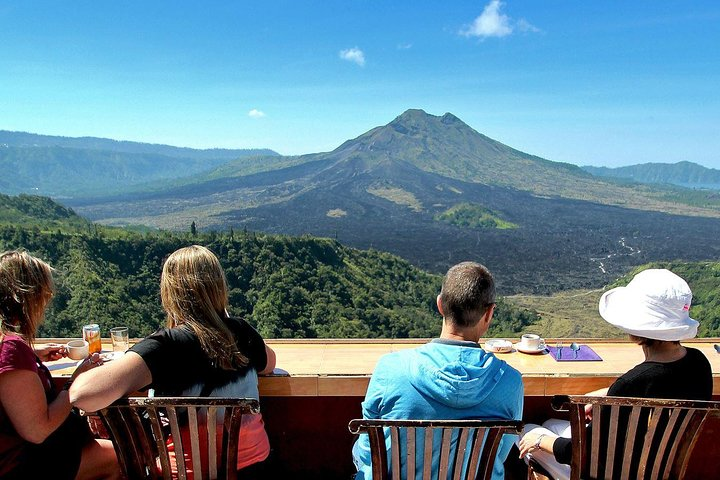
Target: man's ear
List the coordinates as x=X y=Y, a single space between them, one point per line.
x=439 y=305
x=487 y=317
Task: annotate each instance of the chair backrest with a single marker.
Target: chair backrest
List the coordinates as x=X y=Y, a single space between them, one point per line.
x=200 y=430
x=467 y=448
x=633 y=438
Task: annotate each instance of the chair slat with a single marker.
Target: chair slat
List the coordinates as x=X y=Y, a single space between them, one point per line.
x=177 y=443
x=680 y=451
x=460 y=453
x=160 y=441
x=444 y=453
x=428 y=454
x=611 y=441
x=669 y=435
x=478 y=436
x=630 y=441
x=194 y=439
x=233 y=435
x=490 y=446
x=411 y=447
x=212 y=442
x=395 y=451
x=597 y=415
x=378 y=452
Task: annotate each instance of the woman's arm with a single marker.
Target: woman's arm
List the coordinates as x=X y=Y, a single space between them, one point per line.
x=271 y=361
x=23 y=398
x=99 y=387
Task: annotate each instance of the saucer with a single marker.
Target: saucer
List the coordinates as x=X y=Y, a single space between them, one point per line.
x=522 y=348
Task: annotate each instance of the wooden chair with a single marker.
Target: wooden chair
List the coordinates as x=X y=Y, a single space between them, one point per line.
x=142 y=427
x=633 y=438
x=466 y=446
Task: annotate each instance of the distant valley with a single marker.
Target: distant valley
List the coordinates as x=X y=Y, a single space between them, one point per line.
x=412 y=187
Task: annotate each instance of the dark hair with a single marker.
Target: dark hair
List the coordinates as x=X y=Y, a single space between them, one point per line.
x=468 y=290
x=648 y=342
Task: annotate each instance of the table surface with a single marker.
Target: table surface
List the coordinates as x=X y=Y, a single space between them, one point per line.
x=338 y=367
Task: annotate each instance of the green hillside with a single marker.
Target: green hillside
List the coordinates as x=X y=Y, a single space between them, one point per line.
x=574 y=313
x=471 y=215
x=38 y=212
x=288 y=287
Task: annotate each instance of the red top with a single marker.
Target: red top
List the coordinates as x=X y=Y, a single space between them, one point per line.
x=15 y=354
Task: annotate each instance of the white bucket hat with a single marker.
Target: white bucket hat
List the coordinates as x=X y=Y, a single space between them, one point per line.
x=655 y=304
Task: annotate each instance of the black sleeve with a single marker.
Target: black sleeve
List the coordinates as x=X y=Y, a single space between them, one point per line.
x=250 y=343
x=173 y=356
x=562 y=449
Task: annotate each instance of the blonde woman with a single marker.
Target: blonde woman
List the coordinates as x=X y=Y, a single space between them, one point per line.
x=202 y=351
x=39 y=435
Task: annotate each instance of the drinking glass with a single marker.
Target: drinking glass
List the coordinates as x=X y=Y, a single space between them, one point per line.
x=119 y=336
x=91 y=334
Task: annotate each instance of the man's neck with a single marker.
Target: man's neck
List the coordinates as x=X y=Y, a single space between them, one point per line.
x=453 y=332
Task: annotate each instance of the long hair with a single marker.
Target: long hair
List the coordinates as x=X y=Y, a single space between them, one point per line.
x=194 y=293
x=26 y=287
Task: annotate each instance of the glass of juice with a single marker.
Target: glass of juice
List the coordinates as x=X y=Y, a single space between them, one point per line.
x=91 y=334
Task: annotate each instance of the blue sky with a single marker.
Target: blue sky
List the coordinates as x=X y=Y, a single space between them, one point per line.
x=587 y=82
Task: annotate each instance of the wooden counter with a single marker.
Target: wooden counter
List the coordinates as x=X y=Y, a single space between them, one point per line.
x=343 y=367
x=306 y=409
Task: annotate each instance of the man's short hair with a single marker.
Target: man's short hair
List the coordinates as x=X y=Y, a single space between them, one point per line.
x=468 y=290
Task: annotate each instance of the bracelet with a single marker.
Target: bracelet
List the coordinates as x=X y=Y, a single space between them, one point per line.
x=68 y=384
x=539 y=439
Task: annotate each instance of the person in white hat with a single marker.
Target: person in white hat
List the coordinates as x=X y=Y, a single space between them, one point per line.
x=654 y=309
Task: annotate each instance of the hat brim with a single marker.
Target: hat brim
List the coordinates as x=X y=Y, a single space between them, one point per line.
x=621 y=308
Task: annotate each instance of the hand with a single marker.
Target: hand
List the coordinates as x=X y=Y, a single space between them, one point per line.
x=529 y=440
x=50 y=352
x=93 y=360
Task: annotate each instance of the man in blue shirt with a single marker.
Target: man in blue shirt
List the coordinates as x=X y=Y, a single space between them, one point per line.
x=450 y=377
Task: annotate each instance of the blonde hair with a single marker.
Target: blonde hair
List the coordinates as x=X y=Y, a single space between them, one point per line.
x=194 y=293
x=26 y=287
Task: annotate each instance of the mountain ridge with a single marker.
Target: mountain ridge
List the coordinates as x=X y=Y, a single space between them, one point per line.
x=684 y=174
x=27 y=139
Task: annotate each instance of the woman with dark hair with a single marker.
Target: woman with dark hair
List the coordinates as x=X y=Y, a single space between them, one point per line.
x=202 y=352
x=40 y=436
x=654 y=309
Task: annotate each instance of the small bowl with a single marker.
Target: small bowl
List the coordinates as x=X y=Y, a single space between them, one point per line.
x=498 y=345
x=77 y=349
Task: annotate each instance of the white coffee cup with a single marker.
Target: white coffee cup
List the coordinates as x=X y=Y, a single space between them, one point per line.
x=531 y=341
x=77 y=349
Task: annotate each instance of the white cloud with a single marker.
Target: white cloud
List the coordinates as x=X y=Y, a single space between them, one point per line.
x=404 y=46
x=493 y=23
x=525 y=26
x=255 y=113
x=353 y=55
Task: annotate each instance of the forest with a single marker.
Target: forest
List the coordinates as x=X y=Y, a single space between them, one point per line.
x=287 y=287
